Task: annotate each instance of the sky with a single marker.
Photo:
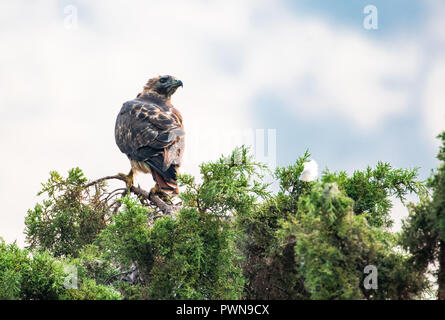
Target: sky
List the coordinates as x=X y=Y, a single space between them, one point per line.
x=282 y=75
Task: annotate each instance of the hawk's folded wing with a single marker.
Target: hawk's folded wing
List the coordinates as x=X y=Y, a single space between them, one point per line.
x=145 y=132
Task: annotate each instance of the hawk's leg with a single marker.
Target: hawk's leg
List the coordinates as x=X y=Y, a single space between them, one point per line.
x=156 y=190
x=159 y=197
x=129 y=178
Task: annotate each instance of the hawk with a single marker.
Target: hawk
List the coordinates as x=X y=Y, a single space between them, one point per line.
x=150 y=132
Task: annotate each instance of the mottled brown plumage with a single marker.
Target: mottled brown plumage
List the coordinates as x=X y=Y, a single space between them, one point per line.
x=149 y=130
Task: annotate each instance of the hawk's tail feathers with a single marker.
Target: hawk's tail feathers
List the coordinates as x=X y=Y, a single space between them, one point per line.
x=167 y=181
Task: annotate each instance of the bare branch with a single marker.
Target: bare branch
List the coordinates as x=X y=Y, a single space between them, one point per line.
x=95 y=182
x=146 y=198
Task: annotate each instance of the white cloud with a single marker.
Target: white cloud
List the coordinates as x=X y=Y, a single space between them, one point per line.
x=432 y=94
x=433 y=99
x=321 y=68
x=435 y=26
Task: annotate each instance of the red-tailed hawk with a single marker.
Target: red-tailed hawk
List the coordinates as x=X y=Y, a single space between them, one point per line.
x=150 y=132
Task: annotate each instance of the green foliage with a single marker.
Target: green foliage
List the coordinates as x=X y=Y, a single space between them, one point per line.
x=94 y=275
x=194 y=255
x=313 y=240
x=132 y=291
x=270 y=267
x=230 y=184
x=69 y=218
x=40 y=276
x=127 y=237
x=334 y=245
x=194 y=258
x=425 y=226
x=29 y=278
x=420 y=234
x=290 y=178
x=43 y=278
x=232 y=239
x=93 y=263
x=437 y=184
x=12 y=260
x=328 y=272
x=424 y=230
x=371 y=190
x=187 y=258
x=228 y=196
x=89 y=290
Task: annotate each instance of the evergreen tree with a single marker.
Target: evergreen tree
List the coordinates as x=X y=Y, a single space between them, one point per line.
x=314 y=239
x=232 y=239
x=69 y=217
x=424 y=230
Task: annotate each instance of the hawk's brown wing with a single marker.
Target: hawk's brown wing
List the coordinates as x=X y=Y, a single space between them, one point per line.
x=146 y=132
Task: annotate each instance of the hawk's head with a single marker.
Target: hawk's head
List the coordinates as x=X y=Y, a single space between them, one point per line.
x=163 y=86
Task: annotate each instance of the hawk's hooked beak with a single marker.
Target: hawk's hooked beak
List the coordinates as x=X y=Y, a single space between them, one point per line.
x=178 y=83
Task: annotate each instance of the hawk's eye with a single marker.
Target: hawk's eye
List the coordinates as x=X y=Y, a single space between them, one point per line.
x=163 y=80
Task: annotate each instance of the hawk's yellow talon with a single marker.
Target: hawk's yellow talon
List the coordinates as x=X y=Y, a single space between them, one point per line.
x=129 y=179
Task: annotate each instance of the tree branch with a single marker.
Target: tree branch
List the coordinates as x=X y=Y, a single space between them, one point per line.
x=145 y=196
